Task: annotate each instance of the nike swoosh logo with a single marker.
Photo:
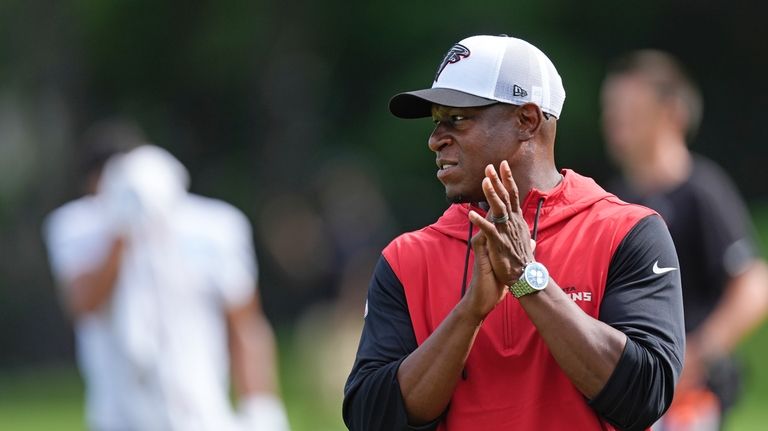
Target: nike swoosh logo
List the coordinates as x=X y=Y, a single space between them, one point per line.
x=657 y=270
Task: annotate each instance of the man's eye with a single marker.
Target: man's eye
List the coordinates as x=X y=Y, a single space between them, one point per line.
x=453 y=119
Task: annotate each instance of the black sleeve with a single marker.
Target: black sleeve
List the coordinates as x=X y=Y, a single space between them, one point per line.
x=643 y=299
x=372 y=398
x=726 y=228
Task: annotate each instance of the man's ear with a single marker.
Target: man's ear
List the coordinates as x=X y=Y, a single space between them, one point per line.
x=529 y=119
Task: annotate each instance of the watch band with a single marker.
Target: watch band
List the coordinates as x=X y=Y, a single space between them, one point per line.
x=521 y=288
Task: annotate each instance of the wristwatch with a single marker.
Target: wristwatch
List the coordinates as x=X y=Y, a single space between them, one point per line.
x=534 y=279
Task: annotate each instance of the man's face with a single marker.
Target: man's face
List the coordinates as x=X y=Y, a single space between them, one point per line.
x=465 y=141
x=632 y=113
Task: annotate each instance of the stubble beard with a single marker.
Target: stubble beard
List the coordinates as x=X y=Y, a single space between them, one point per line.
x=463 y=198
x=463 y=195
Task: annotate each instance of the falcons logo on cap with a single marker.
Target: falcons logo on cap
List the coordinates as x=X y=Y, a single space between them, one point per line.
x=456 y=53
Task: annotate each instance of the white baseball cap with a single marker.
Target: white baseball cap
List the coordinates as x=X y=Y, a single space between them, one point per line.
x=483 y=70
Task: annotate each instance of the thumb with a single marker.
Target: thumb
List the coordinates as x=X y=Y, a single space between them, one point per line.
x=533 y=245
x=479 y=242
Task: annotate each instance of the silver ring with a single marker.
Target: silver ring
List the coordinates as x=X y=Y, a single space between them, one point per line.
x=500 y=220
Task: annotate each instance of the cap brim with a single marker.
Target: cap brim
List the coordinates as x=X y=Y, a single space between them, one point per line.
x=418 y=104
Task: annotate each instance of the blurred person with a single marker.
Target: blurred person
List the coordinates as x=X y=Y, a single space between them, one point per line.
x=161 y=284
x=590 y=335
x=651 y=109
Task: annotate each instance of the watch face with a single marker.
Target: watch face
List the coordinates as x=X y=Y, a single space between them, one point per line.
x=536 y=275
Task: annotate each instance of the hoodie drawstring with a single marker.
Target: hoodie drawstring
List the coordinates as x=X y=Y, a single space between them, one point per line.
x=464 y=281
x=466 y=261
x=469 y=248
x=536 y=221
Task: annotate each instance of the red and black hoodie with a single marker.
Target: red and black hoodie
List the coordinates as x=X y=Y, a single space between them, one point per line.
x=612 y=258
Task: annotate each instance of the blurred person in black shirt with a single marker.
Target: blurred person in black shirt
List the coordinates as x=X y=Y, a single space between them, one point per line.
x=650 y=110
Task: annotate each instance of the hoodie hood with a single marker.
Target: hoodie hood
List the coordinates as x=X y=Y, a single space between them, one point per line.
x=576 y=193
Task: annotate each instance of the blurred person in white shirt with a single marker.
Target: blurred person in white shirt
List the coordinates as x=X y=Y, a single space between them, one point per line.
x=161 y=285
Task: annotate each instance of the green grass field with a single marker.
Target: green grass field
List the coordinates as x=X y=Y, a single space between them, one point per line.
x=50 y=398
x=751 y=413
x=44 y=398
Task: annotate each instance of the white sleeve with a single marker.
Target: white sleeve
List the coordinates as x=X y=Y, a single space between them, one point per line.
x=237 y=271
x=77 y=239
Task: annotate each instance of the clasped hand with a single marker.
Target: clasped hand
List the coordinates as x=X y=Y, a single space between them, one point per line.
x=502 y=247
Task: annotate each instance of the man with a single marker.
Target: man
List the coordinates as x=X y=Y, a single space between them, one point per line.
x=161 y=286
x=650 y=107
x=588 y=335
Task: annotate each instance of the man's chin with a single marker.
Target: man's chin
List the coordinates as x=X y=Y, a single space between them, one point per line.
x=461 y=197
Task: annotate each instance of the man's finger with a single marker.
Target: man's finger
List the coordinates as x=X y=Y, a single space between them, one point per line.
x=485 y=226
x=479 y=241
x=501 y=190
x=498 y=208
x=510 y=185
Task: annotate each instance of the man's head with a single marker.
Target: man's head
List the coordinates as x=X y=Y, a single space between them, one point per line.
x=646 y=99
x=493 y=98
x=484 y=70
x=143 y=185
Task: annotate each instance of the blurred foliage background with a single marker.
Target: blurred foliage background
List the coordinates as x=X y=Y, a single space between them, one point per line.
x=279 y=107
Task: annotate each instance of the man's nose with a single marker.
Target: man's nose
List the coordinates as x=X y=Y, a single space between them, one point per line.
x=438 y=138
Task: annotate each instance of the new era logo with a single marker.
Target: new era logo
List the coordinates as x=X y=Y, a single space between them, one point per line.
x=518 y=91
